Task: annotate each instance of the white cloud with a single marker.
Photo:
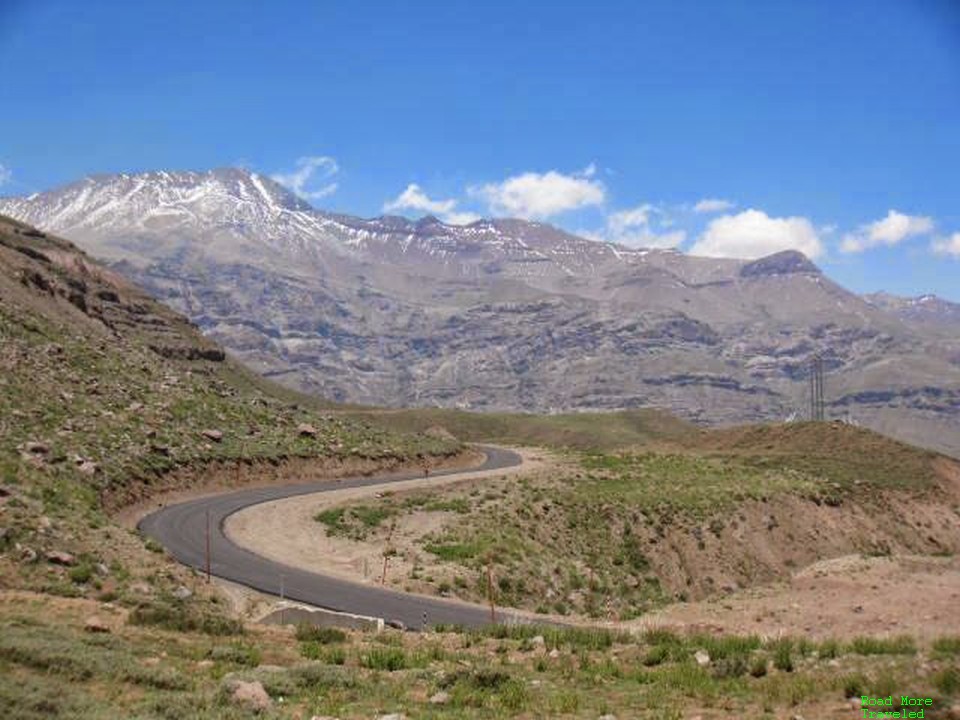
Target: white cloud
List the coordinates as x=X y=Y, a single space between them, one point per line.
x=541 y=195
x=891 y=230
x=712 y=205
x=752 y=234
x=948 y=245
x=414 y=198
x=303 y=182
x=6 y=174
x=633 y=227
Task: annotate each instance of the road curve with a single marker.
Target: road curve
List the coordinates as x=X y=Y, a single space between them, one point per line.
x=181 y=529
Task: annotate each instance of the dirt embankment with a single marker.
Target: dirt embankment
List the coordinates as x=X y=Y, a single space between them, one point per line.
x=194 y=481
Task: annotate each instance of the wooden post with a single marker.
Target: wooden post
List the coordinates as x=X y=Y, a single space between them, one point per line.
x=208 y=546
x=383 y=578
x=493 y=611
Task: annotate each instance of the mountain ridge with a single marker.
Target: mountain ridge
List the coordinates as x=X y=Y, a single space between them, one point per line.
x=505 y=314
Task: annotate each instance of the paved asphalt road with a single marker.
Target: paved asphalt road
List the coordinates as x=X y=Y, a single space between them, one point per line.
x=182 y=530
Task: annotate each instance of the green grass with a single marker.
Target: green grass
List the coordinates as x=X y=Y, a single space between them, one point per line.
x=456 y=552
x=902 y=645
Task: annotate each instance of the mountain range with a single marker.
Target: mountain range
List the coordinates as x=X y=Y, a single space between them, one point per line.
x=509 y=314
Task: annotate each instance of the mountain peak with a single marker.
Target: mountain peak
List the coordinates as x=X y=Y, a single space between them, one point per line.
x=785 y=262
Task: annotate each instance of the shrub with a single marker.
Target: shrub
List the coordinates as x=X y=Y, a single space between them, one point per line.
x=390 y=659
x=321 y=635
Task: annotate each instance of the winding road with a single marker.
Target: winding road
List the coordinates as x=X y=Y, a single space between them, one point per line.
x=182 y=530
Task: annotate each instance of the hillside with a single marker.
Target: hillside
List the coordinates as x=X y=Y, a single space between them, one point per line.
x=505 y=315
x=617 y=532
x=107 y=396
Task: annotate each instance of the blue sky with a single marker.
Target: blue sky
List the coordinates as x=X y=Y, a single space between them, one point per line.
x=833 y=127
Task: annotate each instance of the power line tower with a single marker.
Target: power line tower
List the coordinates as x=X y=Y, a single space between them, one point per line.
x=817 y=407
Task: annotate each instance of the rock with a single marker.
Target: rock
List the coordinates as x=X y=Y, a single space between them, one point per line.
x=141 y=588
x=182 y=593
x=44 y=523
x=440 y=698
x=102 y=570
x=95 y=625
x=324 y=717
x=306 y=430
x=608 y=716
x=58 y=557
x=538 y=641
x=28 y=555
x=35 y=448
x=215 y=435
x=392 y=716
x=88 y=467
x=250 y=695
x=855 y=703
x=702 y=657
x=554 y=653
x=205 y=664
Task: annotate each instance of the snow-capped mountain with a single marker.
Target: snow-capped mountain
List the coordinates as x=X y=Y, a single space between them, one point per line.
x=504 y=314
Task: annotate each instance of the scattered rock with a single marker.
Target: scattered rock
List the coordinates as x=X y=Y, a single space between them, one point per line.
x=96 y=625
x=215 y=435
x=538 y=641
x=306 y=430
x=702 y=657
x=44 y=523
x=28 y=555
x=58 y=557
x=440 y=698
x=88 y=467
x=554 y=653
x=608 y=716
x=250 y=695
x=392 y=716
x=182 y=592
x=855 y=703
x=205 y=664
x=102 y=570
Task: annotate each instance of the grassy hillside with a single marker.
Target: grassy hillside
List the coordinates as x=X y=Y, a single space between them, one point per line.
x=615 y=534
x=583 y=431
x=104 y=392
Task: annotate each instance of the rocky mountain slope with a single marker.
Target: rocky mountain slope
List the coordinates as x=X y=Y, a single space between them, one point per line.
x=504 y=314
